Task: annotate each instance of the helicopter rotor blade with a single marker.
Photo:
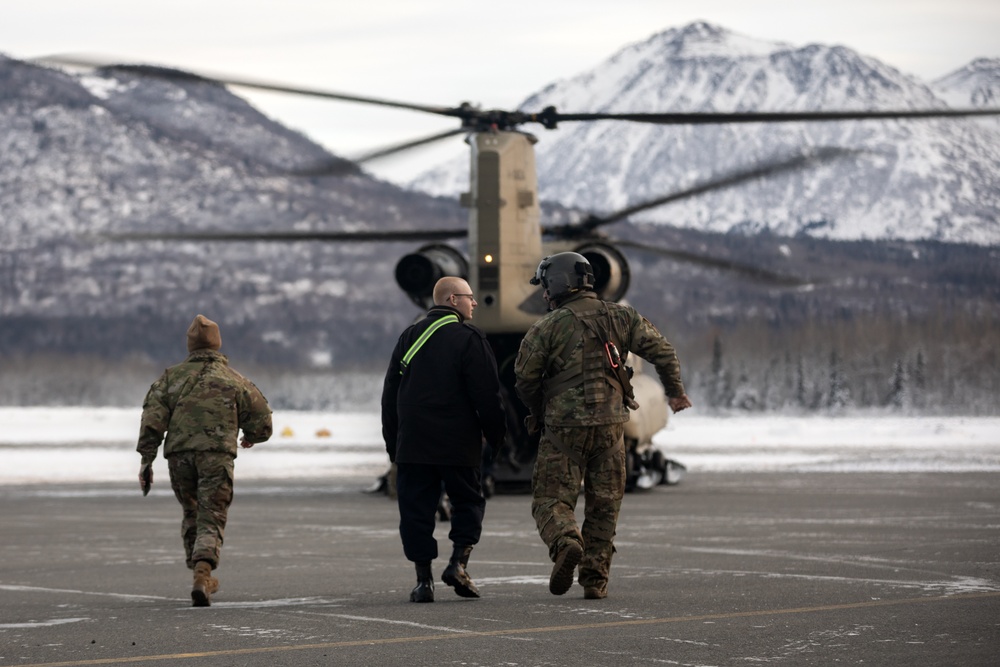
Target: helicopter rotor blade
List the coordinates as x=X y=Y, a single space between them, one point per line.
x=550 y=117
x=339 y=167
x=755 y=273
x=794 y=163
x=392 y=150
x=482 y=119
x=294 y=236
x=89 y=61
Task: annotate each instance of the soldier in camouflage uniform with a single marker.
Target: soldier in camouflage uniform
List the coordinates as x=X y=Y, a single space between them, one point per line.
x=201 y=405
x=571 y=376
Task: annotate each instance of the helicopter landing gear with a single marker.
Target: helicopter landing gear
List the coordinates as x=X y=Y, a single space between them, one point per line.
x=489 y=486
x=674 y=472
x=647 y=469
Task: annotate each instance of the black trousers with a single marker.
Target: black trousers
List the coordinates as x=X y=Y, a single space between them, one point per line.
x=418 y=489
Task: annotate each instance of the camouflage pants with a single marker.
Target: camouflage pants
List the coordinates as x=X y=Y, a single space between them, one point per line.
x=567 y=456
x=203 y=485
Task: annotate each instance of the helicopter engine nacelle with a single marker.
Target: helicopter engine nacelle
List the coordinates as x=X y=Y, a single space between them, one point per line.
x=611 y=271
x=418 y=272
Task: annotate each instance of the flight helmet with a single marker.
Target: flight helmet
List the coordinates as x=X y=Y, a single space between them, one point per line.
x=563 y=274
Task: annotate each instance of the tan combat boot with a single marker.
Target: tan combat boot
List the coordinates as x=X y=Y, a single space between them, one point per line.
x=204 y=585
x=561 y=579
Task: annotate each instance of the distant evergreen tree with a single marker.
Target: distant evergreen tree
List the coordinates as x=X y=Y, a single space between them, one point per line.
x=772 y=394
x=746 y=395
x=800 y=384
x=838 y=394
x=716 y=356
x=788 y=386
x=897 y=389
x=720 y=392
x=918 y=380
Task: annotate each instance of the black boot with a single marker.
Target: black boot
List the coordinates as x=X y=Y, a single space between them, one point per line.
x=424 y=590
x=455 y=575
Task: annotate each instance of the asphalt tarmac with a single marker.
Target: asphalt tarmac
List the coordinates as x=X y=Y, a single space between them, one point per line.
x=722 y=569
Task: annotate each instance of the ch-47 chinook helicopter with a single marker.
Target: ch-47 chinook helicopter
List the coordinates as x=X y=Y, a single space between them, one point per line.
x=506 y=240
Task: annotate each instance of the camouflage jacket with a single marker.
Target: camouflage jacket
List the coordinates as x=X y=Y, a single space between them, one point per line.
x=556 y=344
x=201 y=405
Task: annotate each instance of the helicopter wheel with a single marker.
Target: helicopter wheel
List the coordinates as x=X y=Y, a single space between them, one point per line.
x=673 y=472
x=656 y=461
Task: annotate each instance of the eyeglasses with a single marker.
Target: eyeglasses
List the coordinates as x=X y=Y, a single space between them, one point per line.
x=470 y=296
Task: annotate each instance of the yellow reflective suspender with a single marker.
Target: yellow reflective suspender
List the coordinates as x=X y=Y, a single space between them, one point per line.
x=424 y=337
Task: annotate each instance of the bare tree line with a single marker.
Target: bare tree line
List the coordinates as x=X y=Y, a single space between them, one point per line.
x=946 y=365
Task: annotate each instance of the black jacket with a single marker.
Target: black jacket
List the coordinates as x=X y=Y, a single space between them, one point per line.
x=448 y=398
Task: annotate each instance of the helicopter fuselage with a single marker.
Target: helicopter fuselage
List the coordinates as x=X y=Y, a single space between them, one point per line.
x=505 y=246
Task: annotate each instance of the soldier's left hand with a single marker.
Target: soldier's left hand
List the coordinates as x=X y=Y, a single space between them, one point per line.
x=680 y=403
x=145 y=477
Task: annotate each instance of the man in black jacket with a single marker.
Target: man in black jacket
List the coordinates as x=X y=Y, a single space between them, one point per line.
x=440 y=400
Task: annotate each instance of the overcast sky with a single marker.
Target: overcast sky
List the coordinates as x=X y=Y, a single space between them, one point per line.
x=443 y=52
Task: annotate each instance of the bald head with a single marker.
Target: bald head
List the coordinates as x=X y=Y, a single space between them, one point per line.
x=455 y=292
x=447 y=286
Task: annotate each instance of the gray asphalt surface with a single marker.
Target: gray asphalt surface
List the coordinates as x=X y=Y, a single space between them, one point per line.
x=723 y=569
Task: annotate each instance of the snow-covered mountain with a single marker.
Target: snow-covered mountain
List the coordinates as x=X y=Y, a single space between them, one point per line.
x=975 y=85
x=124 y=151
x=929 y=179
x=121 y=150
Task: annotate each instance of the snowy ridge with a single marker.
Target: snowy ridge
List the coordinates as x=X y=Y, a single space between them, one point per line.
x=975 y=85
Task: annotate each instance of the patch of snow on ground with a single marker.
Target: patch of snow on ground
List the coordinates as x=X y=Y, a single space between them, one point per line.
x=73 y=445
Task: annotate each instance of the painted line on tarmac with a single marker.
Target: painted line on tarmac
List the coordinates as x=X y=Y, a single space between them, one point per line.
x=127 y=596
x=521 y=631
x=373 y=619
x=41 y=624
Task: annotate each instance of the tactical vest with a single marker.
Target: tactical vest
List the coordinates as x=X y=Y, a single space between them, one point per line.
x=601 y=373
